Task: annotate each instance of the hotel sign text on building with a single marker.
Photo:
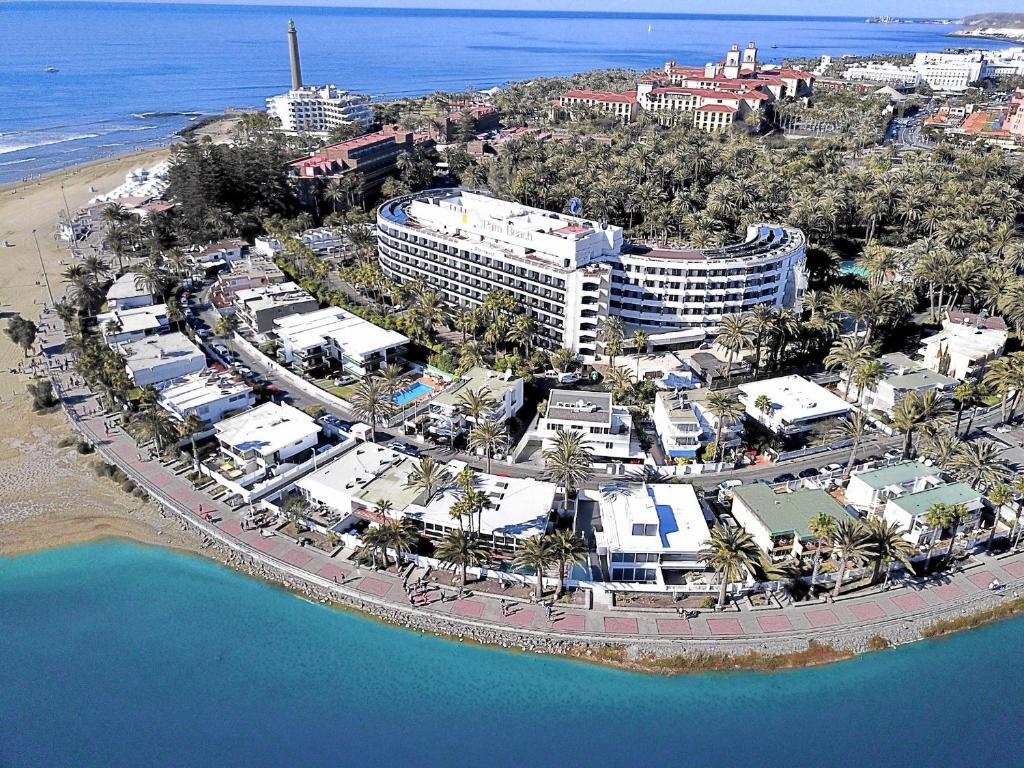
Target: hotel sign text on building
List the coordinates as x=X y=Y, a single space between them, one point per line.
x=497 y=228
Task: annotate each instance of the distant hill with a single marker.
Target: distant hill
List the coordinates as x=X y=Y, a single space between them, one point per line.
x=1000 y=26
x=1004 y=20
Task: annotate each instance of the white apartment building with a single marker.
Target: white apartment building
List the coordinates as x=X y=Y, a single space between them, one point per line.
x=965 y=344
x=210 y=396
x=261 y=306
x=951 y=71
x=650 y=534
x=570 y=273
x=222 y=252
x=622 y=106
x=1005 y=63
x=318 y=240
x=127 y=292
x=910 y=510
x=312 y=109
x=261 y=442
x=685 y=427
x=870 y=489
x=901 y=377
x=519 y=508
x=447 y=414
x=780 y=522
x=156 y=359
x=795 y=404
x=608 y=427
x=885 y=72
x=120 y=326
x=333 y=335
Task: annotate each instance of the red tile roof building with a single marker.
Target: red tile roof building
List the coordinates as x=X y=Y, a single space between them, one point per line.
x=677 y=93
x=374 y=156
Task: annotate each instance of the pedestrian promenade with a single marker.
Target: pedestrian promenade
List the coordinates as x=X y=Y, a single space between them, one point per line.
x=913 y=603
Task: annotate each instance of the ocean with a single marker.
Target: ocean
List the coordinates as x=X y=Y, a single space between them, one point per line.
x=113 y=654
x=130 y=75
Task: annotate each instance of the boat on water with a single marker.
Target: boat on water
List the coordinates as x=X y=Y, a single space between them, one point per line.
x=51 y=70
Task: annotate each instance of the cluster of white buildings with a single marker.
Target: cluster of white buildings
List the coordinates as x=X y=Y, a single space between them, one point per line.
x=947 y=71
x=711 y=98
x=319 y=109
x=571 y=273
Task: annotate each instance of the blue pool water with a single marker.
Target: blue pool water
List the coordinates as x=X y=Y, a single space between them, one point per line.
x=117 y=655
x=408 y=395
x=850 y=267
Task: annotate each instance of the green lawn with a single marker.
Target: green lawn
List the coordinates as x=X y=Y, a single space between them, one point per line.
x=327 y=385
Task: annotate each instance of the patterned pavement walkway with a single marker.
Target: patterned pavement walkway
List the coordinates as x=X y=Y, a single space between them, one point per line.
x=910 y=602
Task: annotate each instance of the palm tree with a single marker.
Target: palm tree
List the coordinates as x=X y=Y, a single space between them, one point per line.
x=191 y=426
x=488 y=436
x=890 y=544
x=428 y=477
x=1006 y=375
x=730 y=553
x=762 y=322
x=471 y=355
x=392 y=374
x=396 y=535
x=849 y=354
x=537 y=553
x=567 y=462
x=915 y=410
x=461 y=549
x=157 y=425
x=227 y=326
x=941 y=517
x=965 y=394
x=981 y=463
x=640 y=341
x=823 y=527
x=1000 y=496
x=477 y=402
x=854 y=427
x=763 y=403
x=852 y=543
x=521 y=332
x=727 y=410
x=734 y=335
x=612 y=334
x=867 y=375
x=568 y=549
x=372 y=401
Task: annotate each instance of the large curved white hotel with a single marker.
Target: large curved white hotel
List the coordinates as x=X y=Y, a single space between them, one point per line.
x=571 y=273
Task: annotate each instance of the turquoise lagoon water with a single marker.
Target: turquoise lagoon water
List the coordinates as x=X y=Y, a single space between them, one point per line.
x=117 y=655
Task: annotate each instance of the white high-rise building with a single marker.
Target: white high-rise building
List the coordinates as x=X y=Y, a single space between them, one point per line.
x=951 y=71
x=571 y=273
x=310 y=109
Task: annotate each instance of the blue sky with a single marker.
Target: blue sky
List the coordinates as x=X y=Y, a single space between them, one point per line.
x=917 y=8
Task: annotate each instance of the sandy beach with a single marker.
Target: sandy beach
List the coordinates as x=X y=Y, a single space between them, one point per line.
x=49 y=496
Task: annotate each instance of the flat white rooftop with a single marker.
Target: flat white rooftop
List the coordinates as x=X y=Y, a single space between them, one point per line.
x=475 y=380
x=647 y=518
x=367 y=472
x=266 y=428
x=794 y=398
x=350 y=333
x=519 y=506
x=199 y=389
x=125 y=288
x=272 y=295
x=155 y=350
x=135 y=320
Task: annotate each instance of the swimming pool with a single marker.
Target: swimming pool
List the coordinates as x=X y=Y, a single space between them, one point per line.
x=850 y=267
x=411 y=393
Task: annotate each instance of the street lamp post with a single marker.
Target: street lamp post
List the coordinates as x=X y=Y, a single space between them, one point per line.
x=42 y=266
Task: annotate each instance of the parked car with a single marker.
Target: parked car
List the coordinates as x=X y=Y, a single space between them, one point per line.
x=809 y=472
x=203 y=333
x=894 y=454
x=785 y=478
x=408 y=450
x=833 y=468
x=568 y=377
